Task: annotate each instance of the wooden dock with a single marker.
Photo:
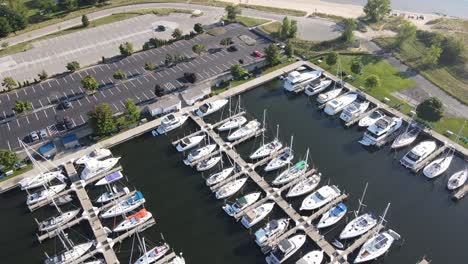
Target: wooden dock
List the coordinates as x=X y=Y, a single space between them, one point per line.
x=357 y=243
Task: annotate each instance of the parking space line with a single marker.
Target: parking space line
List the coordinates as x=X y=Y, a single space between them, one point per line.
x=88 y=99
x=79 y=102
x=8 y=142
x=191 y=63
x=214 y=55
x=173 y=70
x=27 y=119
x=58 y=83
x=179 y=83
x=35 y=113
x=151 y=75
x=53 y=108
x=41 y=86
x=102 y=92
x=159 y=74
x=186 y=66
x=178 y=67
x=82 y=119
x=211 y=69
x=117 y=88
x=45 y=113
x=122 y=103
x=144 y=77
x=133 y=84
x=110 y=91
x=25 y=92
x=16 y=92
x=219 y=68
x=138 y=80
x=125 y=86
x=17 y=122
x=34 y=90
x=145 y=96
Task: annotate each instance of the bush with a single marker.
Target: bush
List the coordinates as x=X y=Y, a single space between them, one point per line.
x=190 y=76
x=177 y=34
x=84 y=21
x=158 y=90
x=149 y=66
x=21 y=106
x=146 y=46
x=42 y=75
x=120 y=75
x=8 y=158
x=198 y=28
x=73 y=66
x=89 y=83
x=430 y=109
x=332 y=58
x=9 y=83
x=372 y=81
x=356 y=66
x=126 y=49
x=238 y=71
x=226 y=41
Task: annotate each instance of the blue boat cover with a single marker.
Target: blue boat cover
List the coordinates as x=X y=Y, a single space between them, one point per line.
x=338 y=209
x=113 y=176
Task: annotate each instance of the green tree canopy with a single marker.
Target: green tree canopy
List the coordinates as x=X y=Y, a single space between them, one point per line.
x=102 y=120
x=177 y=34
x=198 y=49
x=73 y=66
x=198 y=27
x=406 y=32
x=158 y=90
x=226 y=41
x=21 y=106
x=131 y=112
x=15 y=16
x=232 y=11
x=8 y=158
x=5 y=27
x=452 y=49
x=149 y=66
x=430 y=109
x=376 y=10
x=89 y=83
x=9 y=83
x=119 y=75
x=356 y=66
x=46 y=6
x=431 y=55
x=238 y=71
x=285 y=28
x=272 y=54
x=126 y=49
x=292 y=33
x=332 y=58
x=372 y=81
x=85 y=21
x=289 y=50
x=349 y=25
x=67 y=5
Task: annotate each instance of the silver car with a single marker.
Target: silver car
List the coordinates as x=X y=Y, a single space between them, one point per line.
x=34 y=136
x=43 y=133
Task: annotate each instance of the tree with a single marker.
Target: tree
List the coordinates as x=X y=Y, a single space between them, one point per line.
x=42 y=75
x=430 y=109
x=226 y=42
x=349 y=25
x=21 y=106
x=272 y=54
x=8 y=159
x=190 y=76
x=73 y=66
x=5 y=27
x=120 y=75
x=46 y=6
x=102 y=120
x=85 y=21
x=406 y=32
x=238 y=71
x=169 y=59
x=436 y=38
x=131 y=112
x=292 y=33
x=177 y=34
x=126 y=49
x=376 y=10
x=198 y=27
x=289 y=50
x=89 y=83
x=372 y=81
x=198 y=49
x=149 y=66
x=9 y=83
x=232 y=11
x=356 y=66
x=157 y=42
x=158 y=90
x=431 y=55
x=284 y=29
x=67 y=5
x=16 y=17
x=452 y=49
x=332 y=58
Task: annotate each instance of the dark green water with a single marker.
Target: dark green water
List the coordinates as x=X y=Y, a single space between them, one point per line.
x=193 y=222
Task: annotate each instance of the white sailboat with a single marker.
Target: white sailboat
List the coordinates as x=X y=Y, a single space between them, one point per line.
x=438 y=166
x=230 y=188
x=407 y=137
x=219 y=176
x=320 y=197
x=313 y=257
x=457 y=179
x=376 y=246
x=241 y=203
x=418 y=153
x=110 y=178
x=233 y=123
x=188 y=143
x=98 y=154
x=304 y=186
x=208 y=163
x=335 y=106
x=313 y=89
x=56 y=221
x=47 y=193
x=293 y=172
x=257 y=214
x=69 y=256
x=133 y=220
x=211 y=107
x=353 y=110
x=272 y=229
x=330 y=95
x=199 y=153
x=280 y=161
x=94 y=167
x=383 y=128
x=125 y=206
x=40 y=180
x=268 y=148
x=285 y=249
x=153 y=255
x=114 y=193
x=371 y=118
x=247 y=130
x=170 y=122
x=333 y=215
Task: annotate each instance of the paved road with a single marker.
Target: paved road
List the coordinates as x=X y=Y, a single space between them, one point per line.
x=140 y=86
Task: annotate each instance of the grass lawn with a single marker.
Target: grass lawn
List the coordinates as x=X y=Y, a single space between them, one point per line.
x=18 y=172
x=333 y=18
x=251 y=21
x=272 y=28
x=454 y=125
x=283 y=11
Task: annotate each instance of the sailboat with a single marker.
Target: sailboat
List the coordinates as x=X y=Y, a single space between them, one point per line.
x=285 y=249
x=252 y=217
x=199 y=153
x=153 y=255
x=273 y=229
x=208 y=163
x=333 y=215
x=72 y=252
x=47 y=193
x=406 y=138
x=293 y=172
x=438 y=166
x=281 y=160
x=268 y=148
x=40 y=180
x=133 y=220
x=125 y=206
x=247 y=130
x=320 y=197
x=304 y=186
x=188 y=143
x=230 y=188
x=376 y=246
x=114 y=193
x=219 y=176
x=56 y=221
x=233 y=123
x=241 y=203
x=337 y=89
x=457 y=179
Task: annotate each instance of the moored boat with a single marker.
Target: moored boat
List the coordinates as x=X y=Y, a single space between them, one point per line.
x=133 y=220
x=232 y=123
x=125 y=206
x=40 y=180
x=280 y=161
x=354 y=110
x=371 y=118
x=292 y=173
x=188 y=143
x=330 y=95
x=272 y=229
x=417 y=154
x=257 y=214
x=267 y=149
x=313 y=89
x=98 y=154
x=304 y=186
x=47 y=193
x=170 y=122
x=320 y=197
x=208 y=163
x=250 y=128
x=457 y=179
x=359 y=226
x=115 y=193
x=199 y=153
x=230 y=188
x=438 y=166
x=219 y=176
x=69 y=256
x=333 y=215
x=211 y=107
x=299 y=80
x=241 y=203
x=313 y=257
x=285 y=249
x=407 y=137
x=95 y=167
x=56 y=221
x=110 y=178
x=381 y=129
x=153 y=255
x=376 y=246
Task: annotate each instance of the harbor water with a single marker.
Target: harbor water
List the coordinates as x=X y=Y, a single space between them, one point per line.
x=191 y=220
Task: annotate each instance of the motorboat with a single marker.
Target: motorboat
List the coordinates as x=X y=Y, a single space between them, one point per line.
x=280 y=161
x=125 y=206
x=63 y=199
x=230 y=188
x=337 y=244
x=311 y=90
x=335 y=106
x=188 y=143
x=71 y=255
x=304 y=186
x=153 y=255
x=245 y=131
x=376 y=246
x=97 y=154
x=418 y=153
x=47 y=193
x=298 y=80
x=219 y=176
x=333 y=215
x=285 y=249
x=110 y=178
x=406 y=138
x=133 y=220
x=199 y=153
x=359 y=226
x=257 y=214
x=211 y=107
x=371 y=119
x=438 y=166
x=319 y=198
x=56 y=221
x=233 y=123
x=241 y=203
x=330 y=95
x=272 y=229
x=384 y=127
x=313 y=257
x=292 y=173
x=95 y=167
x=170 y=122
x=208 y=163
x=113 y=194
x=40 y=180
x=457 y=179
x=354 y=110
x=267 y=149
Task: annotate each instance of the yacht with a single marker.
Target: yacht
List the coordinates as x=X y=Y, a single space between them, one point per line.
x=98 y=154
x=334 y=106
x=359 y=226
x=304 y=186
x=230 y=188
x=376 y=246
x=438 y=166
x=280 y=161
x=110 y=178
x=199 y=153
x=208 y=163
x=371 y=119
x=125 y=206
x=272 y=229
x=292 y=173
x=381 y=129
x=211 y=107
x=95 y=167
x=170 y=122
x=257 y=214
x=406 y=138
x=317 y=88
x=71 y=255
x=219 y=176
x=188 y=143
x=418 y=153
x=244 y=131
x=313 y=257
x=40 y=180
x=47 y=193
x=153 y=255
x=285 y=249
x=457 y=179
x=241 y=203
x=133 y=220
x=298 y=80
x=333 y=216
x=115 y=193
x=267 y=149
x=330 y=95
x=320 y=197
x=233 y=123
x=63 y=199
x=354 y=110
x=56 y=221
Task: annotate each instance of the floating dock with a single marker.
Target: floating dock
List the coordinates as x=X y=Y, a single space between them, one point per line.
x=461 y=192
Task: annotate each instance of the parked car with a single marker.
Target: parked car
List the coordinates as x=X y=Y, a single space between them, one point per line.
x=66 y=104
x=34 y=136
x=257 y=54
x=68 y=122
x=43 y=133
x=232 y=48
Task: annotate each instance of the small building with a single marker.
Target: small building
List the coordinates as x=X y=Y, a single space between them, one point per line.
x=48 y=150
x=195 y=93
x=166 y=104
x=70 y=141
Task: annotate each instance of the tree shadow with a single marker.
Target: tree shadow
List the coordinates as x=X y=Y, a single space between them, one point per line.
x=410 y=72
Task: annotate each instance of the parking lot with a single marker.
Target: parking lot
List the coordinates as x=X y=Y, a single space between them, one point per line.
x=45 y=97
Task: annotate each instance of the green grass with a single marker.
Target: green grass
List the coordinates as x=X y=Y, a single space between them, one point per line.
x=272 y=28
x=454 y=125
x=334 y=18
x=18 y=172
x=283 y=11
x=251 y=21
x=389 y=23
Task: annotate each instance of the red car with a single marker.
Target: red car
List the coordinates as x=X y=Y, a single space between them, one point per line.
x=257 y=54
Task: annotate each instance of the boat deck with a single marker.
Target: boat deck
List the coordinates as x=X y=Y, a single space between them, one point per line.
x=361 y=116
x=429 y=158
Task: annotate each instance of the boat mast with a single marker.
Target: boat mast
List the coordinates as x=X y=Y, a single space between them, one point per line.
x=361 y=201
x=382 y=218
x=277 y=131
x=144 y=250
x=263 y=133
